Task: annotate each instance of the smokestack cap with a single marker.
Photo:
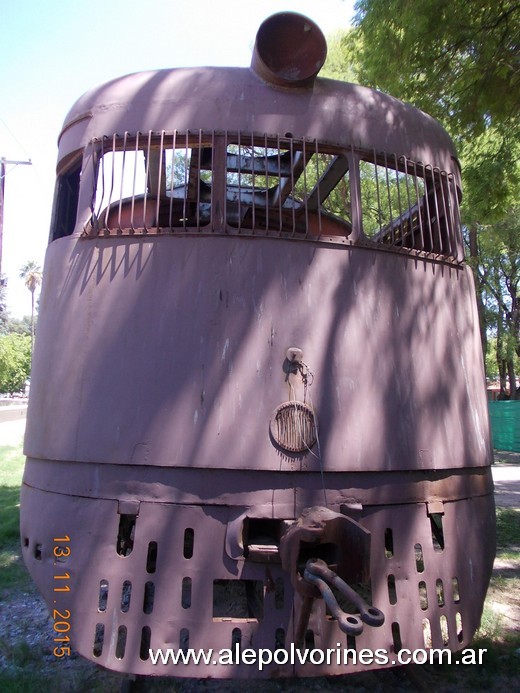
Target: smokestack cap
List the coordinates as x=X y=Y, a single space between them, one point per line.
x=289 y=51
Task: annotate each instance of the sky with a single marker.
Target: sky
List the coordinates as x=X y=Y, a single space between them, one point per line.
x=52 y=51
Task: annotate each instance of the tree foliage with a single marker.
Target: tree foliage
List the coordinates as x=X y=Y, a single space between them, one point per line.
x=498 y=276
x=451 y=57
x=31 y=273
x=15 y=362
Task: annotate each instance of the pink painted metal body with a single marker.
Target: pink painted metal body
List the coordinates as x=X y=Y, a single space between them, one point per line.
x=240 y=366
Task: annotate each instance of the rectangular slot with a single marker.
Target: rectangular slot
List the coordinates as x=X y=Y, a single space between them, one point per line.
x=146 y=638
x=437 y=531
x=103 y=595
x=262 y=538
x=392 y=593
x=389 y=543
x=125 y=534
x=126 y=595
x=99 y=637
x=149 y=596
x=241 y=599
x=189 y=537
x=419 y=558
x=151 y=557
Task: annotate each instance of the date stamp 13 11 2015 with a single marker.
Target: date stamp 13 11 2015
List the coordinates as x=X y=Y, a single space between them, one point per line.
x=61 y=616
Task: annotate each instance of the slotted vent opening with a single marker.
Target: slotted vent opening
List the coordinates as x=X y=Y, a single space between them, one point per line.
x=294 y=427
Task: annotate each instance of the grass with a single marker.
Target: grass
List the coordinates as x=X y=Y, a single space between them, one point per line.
x=12 y=572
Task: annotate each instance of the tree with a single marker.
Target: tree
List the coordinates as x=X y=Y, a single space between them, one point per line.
x=458 y=61
x=452 y=57
x=31 y=273
x=4 y=313
x=15 y=362
x=498 y=272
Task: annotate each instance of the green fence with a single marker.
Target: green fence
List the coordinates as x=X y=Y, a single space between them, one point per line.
x=505 y=425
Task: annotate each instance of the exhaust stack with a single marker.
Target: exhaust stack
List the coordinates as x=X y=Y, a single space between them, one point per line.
x=289 y=51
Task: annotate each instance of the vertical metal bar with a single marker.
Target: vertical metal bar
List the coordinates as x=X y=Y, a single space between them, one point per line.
x=136 y=153
x=428 y=210
x=159 y=182
x=199 y=179
x=305 y=193
x=318 y=178
x=172 y=180
x=219 y=186
x=356 y=204
x=447 y=249
x=293 y=211
x=146 y=177
x=457 y=221
x=408 y=202
x=253 y=186
x=187 y=154
x=379 y=210
x=266 y=161
x=123 y=169
x=111 y=193
x=102 y=195
x=437 y=215
x=399 y=205
x=279 y=196
x=388 y=197
x=419 y=206
x=239 y=172
x=449 y=216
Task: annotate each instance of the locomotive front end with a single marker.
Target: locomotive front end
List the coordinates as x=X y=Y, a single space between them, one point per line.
x=257 y=419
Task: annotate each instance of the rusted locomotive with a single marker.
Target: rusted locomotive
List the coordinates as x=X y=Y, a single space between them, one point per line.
x=257 y=415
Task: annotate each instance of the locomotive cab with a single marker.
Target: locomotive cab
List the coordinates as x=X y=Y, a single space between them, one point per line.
x=257 y=416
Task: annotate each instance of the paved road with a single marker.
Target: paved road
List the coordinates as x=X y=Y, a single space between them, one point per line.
x=506 y=471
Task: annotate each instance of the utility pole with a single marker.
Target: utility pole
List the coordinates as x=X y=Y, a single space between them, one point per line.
x=3 y=164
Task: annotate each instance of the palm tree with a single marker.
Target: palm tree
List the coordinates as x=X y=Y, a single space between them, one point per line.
x=31 y=273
